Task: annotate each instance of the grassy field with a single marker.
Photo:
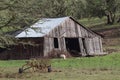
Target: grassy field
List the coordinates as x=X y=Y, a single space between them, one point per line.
x=89 y=22
x=86 y=68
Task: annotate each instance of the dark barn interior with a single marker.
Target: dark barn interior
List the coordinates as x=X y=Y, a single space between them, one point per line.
x=72 y=45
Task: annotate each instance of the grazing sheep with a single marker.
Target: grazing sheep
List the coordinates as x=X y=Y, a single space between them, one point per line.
x=63 y=56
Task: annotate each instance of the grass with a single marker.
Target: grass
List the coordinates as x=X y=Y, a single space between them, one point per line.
x=85 y=68
x=110 y=61
x=97 y=23
x=89 y=22
x=12 y=63
x=93 y=62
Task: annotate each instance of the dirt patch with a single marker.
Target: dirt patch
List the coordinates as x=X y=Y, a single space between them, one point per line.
x=111 y=39
x=111 y=50
x=110 y=33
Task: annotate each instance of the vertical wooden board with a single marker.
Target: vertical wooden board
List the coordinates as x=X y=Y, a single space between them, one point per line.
x=82 y=31
x=69 y=28
x=86 y=32
x=81 y=46
x=91 y=46
x=59 y=30
x=97 y=45
x=72 y=27
x=63 y=31
x=87 y=45
x=59 y=43
x=94 y=48
x=64 y=43
x=79 y=30
x=65 y=28
x=50 y=44
x=53 y=33
x=94 y=43
x=46 y=46
x=100 y=45
x=100 y=42
x=76 y=30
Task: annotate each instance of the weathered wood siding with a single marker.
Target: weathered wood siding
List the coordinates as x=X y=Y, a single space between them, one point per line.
x=94 y=46
x=25 y=51
x=48 y=45
x=71 y=29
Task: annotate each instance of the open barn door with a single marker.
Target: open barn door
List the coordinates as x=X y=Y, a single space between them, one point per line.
x=72 y=45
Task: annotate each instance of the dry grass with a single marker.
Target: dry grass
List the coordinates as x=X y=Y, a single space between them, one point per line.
x=65 y=74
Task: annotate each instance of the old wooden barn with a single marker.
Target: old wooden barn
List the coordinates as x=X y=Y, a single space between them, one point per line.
x=64 y=34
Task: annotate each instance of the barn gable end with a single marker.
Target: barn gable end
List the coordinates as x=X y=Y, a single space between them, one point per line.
x=70 y=30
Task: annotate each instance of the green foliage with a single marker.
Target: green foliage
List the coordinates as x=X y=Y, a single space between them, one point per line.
x=76 y=8
x=53 y=8
x=102 y=8
x=6 y=41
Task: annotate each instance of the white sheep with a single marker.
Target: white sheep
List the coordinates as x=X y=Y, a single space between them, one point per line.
x=63 y=56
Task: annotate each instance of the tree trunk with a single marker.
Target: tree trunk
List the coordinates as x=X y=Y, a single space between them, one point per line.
x=110 y=18
x=118 y=20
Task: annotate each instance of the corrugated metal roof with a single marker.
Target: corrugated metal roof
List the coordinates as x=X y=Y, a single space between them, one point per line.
x=41 y=28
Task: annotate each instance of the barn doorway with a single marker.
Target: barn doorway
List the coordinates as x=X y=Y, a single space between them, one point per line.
x=72 y=45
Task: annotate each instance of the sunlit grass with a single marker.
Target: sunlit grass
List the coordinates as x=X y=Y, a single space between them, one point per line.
x=11 y=63
x=84 y=68
x=108 y=61
x=89 y=22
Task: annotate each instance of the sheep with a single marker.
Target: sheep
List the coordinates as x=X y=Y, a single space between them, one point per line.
x=63 y=56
